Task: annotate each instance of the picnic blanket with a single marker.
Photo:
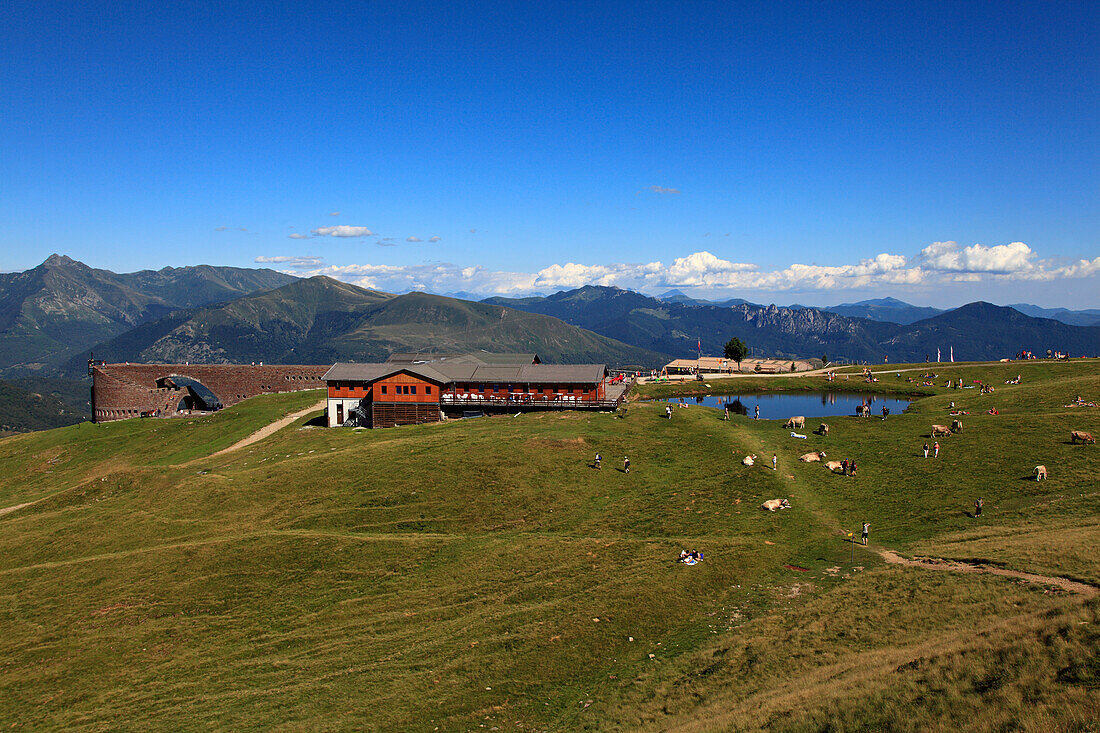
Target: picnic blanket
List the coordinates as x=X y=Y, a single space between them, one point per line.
x=796 y=435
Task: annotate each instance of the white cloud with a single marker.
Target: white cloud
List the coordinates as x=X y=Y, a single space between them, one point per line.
x=939 y=264
x=220 y=229
x=296 y=235
x=413 y=239
x=334 y=213
x=343 y=230
x=296 y=261
x=664 y=191
x=436 y=238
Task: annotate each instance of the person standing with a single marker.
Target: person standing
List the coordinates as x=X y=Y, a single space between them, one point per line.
x=866 y=531
x=626 y=465
x=756 y=415
x=885 y=412
x=727 y=412
x=936 y=449
x=598 y=459
x=978 y=504
x=926 y=450
x=775 y=462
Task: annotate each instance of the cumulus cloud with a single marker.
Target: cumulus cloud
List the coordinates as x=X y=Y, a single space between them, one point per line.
x=298 y=236
x=220 y=229
x=334 y=213
x=938 y=264
x=436 y=238
x=663 y=190
x=343 y=230
x=413 y=239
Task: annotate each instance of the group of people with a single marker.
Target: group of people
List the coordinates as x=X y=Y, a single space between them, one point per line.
x=848 y=467
x=599 y=460
x=690 y=557
x=935 y=449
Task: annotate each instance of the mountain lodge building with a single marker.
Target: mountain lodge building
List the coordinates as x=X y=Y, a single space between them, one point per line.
x=412 y=388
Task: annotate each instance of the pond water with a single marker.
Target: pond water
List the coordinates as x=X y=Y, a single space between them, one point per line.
x=781 y=405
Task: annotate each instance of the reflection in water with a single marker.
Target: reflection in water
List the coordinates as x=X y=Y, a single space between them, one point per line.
x=737 y=406
x=781 y=405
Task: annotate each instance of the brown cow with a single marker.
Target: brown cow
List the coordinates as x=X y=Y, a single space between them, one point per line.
x=956 y=426
x=1040 y=473
x=1082 y=436
x=823 y=429
x=834 y=466
x=811 y=457
x=798 y=422
x=940 y=430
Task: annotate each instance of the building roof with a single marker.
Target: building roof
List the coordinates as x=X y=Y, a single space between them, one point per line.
x=443 y=372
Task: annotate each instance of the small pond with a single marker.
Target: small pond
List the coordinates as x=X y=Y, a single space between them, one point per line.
x=781 y=405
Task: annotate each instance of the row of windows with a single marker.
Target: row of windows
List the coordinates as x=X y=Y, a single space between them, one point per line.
x=409 y=389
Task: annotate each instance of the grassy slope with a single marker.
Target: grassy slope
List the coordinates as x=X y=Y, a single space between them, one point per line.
x=385 y=579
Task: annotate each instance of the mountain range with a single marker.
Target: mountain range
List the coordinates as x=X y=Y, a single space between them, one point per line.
x=320 y=320
x=977 y=331
x=53 y=315
x=62 y=307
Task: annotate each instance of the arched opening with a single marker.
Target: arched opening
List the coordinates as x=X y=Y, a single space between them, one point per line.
x=194 y=395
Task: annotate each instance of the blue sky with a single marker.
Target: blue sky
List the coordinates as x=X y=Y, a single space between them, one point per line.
x=810 y=152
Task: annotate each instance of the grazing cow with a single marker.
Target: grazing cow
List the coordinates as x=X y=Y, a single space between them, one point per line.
x=796 y=422
x=811 y=457
x=834 y=466
x=749 y=460
x=1040 y=473
x=956 y=426
x=940 y=430
x=822 y=429
x=863 y=410
x=772 y=504
x=1082 y=436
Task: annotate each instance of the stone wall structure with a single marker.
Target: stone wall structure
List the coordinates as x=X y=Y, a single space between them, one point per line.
x=122 y=391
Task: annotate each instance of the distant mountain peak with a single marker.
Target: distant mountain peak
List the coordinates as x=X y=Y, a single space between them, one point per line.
x=56 y=260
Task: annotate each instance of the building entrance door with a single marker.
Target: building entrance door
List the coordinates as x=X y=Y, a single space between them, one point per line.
x=339 y=413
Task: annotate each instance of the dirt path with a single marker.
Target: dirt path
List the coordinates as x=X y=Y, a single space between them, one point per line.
x=17 y=507
x=933 y=563
x=265 y=431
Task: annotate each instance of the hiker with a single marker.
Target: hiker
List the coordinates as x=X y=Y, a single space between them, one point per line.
x=775 y=462
x=885 y=411
x=926 y=450
x=851 y=468
x=668 y=411
x=727 y=413
x=936 y=449
x=844 y=467
x=626 y=465
x=866 y=530
x=978 y=504
x=598 y=459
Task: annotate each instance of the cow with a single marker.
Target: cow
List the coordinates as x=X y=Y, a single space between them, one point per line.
x=1040 y=473
x=822 y=429
x=749 y=460
x=834 y=466
x=1082 y=436
x=863 y=410
x=796 y=422
x=811 y=457
x=940 y=430
x=956 y=426
x=772 y=504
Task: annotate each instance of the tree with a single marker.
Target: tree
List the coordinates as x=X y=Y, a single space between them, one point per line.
x=825 y=359
x=736 y=350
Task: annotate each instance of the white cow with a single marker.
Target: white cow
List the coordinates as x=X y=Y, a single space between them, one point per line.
x=811 y=457
x=772 y=504
x=749 y=460
x=834 y=466
x=1040 y=473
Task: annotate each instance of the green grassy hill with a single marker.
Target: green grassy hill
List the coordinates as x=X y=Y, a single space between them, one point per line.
x=481 y=573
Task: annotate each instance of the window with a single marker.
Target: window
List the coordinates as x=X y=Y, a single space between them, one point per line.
x=427 y=390
x=412 y=389
x=383 y=389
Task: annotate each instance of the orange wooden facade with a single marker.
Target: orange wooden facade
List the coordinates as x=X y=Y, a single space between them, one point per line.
x=399 y=387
